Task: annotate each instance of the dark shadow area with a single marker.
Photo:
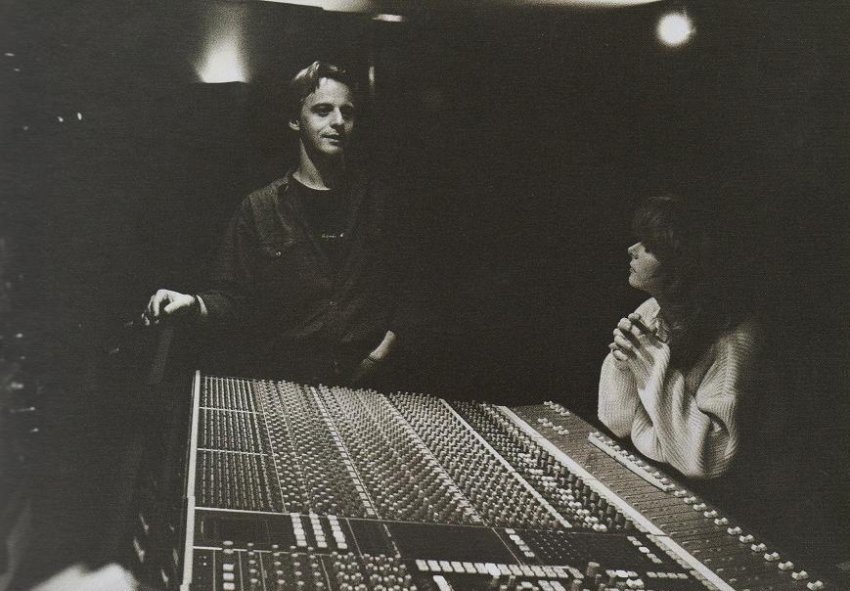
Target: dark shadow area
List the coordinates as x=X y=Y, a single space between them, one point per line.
x=520 y=141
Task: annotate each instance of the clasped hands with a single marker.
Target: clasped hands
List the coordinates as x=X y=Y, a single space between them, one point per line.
x=636 y=348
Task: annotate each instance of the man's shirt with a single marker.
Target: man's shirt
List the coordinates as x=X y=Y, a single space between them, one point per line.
x=301 y=308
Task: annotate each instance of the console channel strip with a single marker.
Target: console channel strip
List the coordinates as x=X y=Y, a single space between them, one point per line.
x=332 y=489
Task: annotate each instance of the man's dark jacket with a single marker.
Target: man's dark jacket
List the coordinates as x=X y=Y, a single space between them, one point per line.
x=289 y=313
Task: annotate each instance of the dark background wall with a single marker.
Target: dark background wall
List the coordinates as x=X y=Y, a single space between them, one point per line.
x=521 y=140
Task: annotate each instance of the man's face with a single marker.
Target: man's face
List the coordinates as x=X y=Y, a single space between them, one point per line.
x=326 y=120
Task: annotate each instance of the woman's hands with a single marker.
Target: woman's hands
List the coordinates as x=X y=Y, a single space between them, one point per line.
x=636 y=348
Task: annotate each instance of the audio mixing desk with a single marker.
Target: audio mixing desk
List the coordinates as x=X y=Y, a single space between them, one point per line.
x=331 y=489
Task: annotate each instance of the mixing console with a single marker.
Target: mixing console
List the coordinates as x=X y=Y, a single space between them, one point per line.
x=316 y=488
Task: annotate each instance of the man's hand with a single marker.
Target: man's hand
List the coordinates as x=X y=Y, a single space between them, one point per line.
x=636 y=348
x=166 y=303
x=366 y=368
x=372 y=363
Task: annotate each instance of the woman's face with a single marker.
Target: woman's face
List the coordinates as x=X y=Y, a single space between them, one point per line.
x=645 y=270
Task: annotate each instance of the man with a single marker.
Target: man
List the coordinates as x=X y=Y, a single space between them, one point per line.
x=307 y=272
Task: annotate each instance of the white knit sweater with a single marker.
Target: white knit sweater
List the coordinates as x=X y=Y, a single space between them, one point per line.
x=688 y=419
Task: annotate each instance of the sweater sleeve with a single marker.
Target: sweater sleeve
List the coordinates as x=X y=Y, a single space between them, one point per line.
x=695 y=427
x=619 y=405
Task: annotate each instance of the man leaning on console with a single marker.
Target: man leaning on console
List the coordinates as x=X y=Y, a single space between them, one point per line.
x=307 y=272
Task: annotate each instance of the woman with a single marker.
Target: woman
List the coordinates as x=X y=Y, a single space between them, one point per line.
x=683 y=365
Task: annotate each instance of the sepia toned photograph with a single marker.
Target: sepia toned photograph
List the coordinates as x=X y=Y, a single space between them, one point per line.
x=375 y=295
